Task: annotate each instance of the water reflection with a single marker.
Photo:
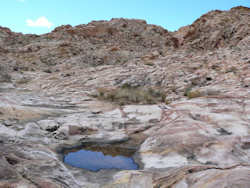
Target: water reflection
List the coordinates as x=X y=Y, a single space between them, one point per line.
x=94 y=161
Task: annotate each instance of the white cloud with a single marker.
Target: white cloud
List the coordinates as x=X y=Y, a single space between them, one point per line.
x=40 y=22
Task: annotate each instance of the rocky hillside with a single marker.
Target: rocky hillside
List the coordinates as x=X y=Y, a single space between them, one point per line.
x=217 y=29
x=180 y=100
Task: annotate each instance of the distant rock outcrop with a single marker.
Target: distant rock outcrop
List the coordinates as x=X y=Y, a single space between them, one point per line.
x=216 y=29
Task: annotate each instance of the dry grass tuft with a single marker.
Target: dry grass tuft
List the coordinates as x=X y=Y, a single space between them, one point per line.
x=132 y=95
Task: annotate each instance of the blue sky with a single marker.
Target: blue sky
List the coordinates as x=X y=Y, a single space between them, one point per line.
x=42 y=16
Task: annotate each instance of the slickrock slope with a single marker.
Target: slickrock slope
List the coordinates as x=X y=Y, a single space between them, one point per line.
x=180 y=99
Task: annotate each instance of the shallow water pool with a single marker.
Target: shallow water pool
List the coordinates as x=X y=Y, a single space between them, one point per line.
x=97 y=160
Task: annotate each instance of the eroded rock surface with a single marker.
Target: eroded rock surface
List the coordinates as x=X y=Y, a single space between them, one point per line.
x=51 y=99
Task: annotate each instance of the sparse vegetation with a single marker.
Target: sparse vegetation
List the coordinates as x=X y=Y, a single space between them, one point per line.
x=191 y=93
x=194 y=94
x=130 y=95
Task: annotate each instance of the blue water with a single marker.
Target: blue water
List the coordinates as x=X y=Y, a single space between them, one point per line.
x=94 y=161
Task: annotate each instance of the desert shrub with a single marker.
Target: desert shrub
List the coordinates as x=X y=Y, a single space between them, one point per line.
x=132 y=95
x=194 y=94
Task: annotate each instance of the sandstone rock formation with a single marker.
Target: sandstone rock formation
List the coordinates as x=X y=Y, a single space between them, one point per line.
x=180 y=99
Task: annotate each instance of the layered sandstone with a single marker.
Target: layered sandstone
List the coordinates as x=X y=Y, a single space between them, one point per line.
x=180 y=99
